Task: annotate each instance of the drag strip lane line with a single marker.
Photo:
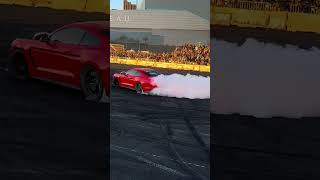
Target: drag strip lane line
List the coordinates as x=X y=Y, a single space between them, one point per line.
x=174 y=130
x=155 y=156
x=151 y=163
x=153 y=125
x=167 y=131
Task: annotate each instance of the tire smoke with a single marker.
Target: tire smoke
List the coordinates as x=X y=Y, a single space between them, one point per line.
x=265 y=80
x=182 y=86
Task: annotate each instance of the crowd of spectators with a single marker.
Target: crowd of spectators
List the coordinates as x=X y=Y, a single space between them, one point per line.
x=186 y=54
x=307 y=6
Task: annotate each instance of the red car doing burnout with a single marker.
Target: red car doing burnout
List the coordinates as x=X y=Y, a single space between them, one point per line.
x=138 y=79
x=75 y=55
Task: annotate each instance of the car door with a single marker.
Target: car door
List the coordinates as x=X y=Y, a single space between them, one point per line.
x=133 y=79
x=91 y=50
x=128 y=78
x=56 y=59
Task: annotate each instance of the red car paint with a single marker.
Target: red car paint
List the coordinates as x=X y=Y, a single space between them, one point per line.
x=63 y=62
x=131 y=77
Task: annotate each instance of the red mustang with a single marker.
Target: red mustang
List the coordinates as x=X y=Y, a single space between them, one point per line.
x=139 y=79
x=75 y=55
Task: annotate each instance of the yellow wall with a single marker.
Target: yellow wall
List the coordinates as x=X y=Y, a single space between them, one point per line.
x=17 y=2
x=265 y=19
x=78 y=5
x=102 y=6
x=188 y=67
x=252 y=18
x=303 y=22
x=277 y=20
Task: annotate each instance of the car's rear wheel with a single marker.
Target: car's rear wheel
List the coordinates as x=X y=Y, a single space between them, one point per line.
x=18 y=67
x=138 y=88
x=91 y=83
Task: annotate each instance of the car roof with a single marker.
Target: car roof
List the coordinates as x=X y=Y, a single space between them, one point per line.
x=97 y=25
x=143 y=69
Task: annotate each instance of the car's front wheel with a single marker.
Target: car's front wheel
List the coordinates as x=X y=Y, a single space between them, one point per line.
x=18 y=66
x=91 y=83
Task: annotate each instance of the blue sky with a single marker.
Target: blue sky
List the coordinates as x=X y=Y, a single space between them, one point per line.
x=118 y=4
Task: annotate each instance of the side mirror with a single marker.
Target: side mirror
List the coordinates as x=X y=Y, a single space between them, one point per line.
x=123 y=73
x=45 y=38
x=41 y=36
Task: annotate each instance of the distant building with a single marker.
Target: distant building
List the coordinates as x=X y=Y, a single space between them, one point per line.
x=197 y=7
x=128 y=5
x=158 y=27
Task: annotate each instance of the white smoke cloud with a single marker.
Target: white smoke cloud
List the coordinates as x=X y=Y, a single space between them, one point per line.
x=265 y=80
x=182 y=86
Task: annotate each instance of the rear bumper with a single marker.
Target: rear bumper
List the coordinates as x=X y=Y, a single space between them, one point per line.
x=148 y=87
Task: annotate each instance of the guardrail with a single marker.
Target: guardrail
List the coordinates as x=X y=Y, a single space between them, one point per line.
x=297 y=7
x=101 y=6
x=281 y=20
x=149 y=63
x=252 y=5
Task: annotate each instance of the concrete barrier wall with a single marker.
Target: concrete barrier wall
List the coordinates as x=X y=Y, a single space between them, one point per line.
x=102 y=6
x=243 y=18
x=146 y=63
x=78 y=5
x=303 y=22
x=279 y=20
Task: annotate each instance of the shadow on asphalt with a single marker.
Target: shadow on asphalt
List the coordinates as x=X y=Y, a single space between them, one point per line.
x=50 y=132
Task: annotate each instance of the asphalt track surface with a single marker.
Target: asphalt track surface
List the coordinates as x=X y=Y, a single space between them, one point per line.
x=156 y=137
x=50 y=132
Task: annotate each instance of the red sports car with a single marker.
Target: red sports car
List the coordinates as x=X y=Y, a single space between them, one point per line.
x=138 y=79
x=75 y=55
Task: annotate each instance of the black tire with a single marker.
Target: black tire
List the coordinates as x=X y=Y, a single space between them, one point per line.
x=91 y=84
x=115 y=82
x=138 y=88
x=18 y=66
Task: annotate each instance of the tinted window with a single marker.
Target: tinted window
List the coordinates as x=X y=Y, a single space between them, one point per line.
x=137 y=73
x=151 y=73
x=134 y=73
x=131 y=72
x=90 y=40
x=68 y=36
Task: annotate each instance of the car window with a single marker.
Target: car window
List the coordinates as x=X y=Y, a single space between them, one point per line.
x=130 y=72
x=68 y=36
x=133 y=73
x=151 y=73
x=89 y=40
x=137 y=73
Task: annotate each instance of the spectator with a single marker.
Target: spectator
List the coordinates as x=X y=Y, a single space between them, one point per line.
x=306 y=6
x=187 y=54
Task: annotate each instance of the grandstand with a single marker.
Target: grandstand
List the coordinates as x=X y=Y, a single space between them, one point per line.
x=308 y=6
x=187 y=54
x=116 y=48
